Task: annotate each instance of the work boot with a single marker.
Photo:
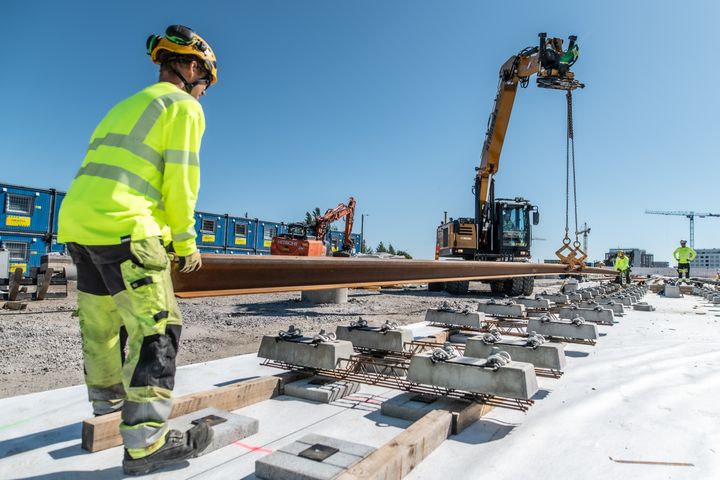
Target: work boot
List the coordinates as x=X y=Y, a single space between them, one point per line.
x=178 y=447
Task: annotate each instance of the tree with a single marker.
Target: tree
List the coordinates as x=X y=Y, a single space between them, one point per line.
x=311 y=217
x=365 y=249
x=403 y=253
x=391 y=249
x=381 y=248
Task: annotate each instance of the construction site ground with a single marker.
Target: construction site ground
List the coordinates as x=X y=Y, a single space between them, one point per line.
x=647 y=392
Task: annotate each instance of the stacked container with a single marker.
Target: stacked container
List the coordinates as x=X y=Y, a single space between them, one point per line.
x=241 y=239
x=210 y=229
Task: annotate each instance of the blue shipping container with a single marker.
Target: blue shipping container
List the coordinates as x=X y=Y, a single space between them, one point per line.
x=56 y=247
x=210 y=229
x=59 y=197
x=211 y=249
x=25 y=251
x=24 y=210
x=266 y=231
x=336 y=240
x=241 y=234
x=239 y=251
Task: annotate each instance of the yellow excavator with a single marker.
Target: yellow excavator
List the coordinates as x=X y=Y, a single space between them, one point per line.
x=501 y=228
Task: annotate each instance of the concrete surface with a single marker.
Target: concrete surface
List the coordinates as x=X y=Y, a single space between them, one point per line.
x=303 y=353
x=627 y=398
x=413 y=406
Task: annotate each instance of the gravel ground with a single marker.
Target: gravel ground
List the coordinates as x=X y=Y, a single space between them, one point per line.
x=40 y=347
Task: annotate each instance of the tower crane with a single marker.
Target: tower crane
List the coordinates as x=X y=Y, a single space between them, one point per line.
x=690 y=215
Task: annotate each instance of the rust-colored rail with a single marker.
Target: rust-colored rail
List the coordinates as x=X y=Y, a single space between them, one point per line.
x=242 y=274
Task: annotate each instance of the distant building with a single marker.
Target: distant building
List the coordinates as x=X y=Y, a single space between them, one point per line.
x=707 y=258
x=661 y=264
x=638 y=257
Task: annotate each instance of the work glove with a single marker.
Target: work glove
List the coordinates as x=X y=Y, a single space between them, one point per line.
x=191 y=263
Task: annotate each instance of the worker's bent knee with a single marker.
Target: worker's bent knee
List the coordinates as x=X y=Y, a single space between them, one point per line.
x=156 y=362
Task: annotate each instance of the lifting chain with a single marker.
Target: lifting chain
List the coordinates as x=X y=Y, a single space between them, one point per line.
x=575 y=256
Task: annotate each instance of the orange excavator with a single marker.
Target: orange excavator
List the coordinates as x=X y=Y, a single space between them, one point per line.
x=308 y=241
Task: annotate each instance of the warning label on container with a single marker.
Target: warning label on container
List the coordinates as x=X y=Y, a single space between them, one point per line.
x=15 y=266
x=17 y=221
x=267 y=243
x=208 y=238
x=240 y=241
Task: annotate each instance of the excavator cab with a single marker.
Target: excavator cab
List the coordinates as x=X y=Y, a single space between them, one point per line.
x=513 y=232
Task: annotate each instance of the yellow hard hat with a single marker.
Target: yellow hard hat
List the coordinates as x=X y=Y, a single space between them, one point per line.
x=620 y=252
x=181 y=40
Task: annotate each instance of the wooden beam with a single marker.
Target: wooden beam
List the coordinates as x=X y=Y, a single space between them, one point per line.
x=101 y=433
x=400 y=455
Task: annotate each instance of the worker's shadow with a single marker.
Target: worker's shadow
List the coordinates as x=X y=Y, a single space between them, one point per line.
x=106 y=473
x=484 y=431
x=46 y=438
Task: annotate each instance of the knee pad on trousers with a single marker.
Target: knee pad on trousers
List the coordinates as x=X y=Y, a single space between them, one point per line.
x=156 y=363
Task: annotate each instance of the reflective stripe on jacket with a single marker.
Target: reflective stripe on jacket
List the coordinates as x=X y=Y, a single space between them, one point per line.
x=141 y=173
x=622 y=263
x=684 y=254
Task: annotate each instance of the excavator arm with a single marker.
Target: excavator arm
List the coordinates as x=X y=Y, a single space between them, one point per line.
x=543 y=61
x=331 y=215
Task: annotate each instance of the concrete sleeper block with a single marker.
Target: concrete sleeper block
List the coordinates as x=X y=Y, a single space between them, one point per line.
x=553 y=328
x=324 y=355
x=514 y=380
x=502 y=310
x=374 y=338
x=235 y=427
x=599 y=315
x=547 y=355
x=472 y=320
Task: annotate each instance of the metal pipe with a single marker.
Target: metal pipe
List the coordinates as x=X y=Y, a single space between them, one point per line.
x=241 y=274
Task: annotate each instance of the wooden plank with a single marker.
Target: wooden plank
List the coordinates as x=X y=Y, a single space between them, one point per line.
x=101 y=433
x=400 y=455
x=44 y=280
x=15 y=281
x=469 y=415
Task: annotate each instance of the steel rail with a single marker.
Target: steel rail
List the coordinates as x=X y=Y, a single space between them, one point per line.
x=244 y=274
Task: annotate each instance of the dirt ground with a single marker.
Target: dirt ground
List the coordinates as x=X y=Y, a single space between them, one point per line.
x=40 y=347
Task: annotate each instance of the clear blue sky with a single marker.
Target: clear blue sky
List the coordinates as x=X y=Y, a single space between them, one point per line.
x=388 y=101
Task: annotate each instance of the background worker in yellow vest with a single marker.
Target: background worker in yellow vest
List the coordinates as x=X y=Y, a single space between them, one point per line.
x=622 y=265
x=684 y=255
x=140 y=177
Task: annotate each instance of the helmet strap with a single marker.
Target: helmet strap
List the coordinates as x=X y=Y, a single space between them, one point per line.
x=188 y=87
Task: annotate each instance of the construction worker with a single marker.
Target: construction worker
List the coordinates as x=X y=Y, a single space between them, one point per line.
x=684 y=255
x=140 y=177
x=569 y=57
x=622 y=265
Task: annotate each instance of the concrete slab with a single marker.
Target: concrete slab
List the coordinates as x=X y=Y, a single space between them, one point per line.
x=528 y=302
x=502 y=309
x=375 y=338
x=472 y=320
x=290 y=462
x=514 y=380
x=564 y=329
x=321 y=389
x=596 y=315
x=333 y=295
x=672 y=291
x=305 y=352
x=413 y=406
x=643 y=307
x=235 y=427
x=574 y=297
x=547 y=355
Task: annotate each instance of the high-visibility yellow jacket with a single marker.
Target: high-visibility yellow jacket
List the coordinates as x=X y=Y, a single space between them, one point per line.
x=684 y=254
x=140 y=174
x=622 y=263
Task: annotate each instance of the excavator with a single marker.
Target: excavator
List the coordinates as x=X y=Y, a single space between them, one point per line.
x=308 y=241
x=501 y=228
